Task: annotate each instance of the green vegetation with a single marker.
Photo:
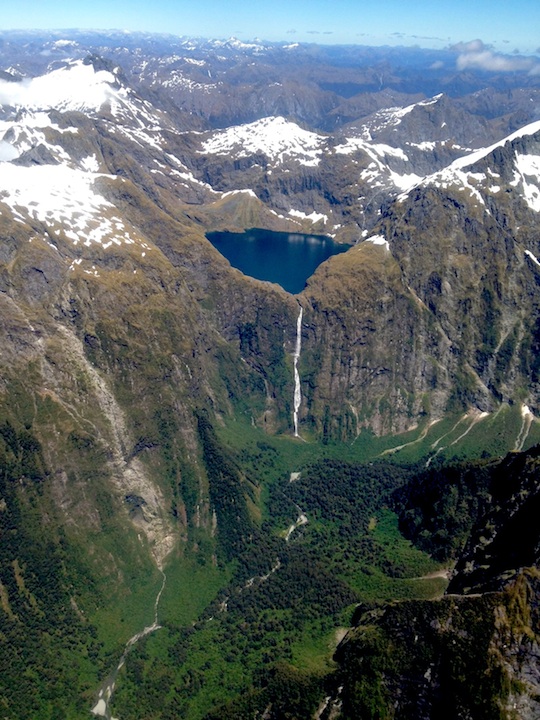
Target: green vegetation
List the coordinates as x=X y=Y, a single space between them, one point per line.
x=457 y=437
x=281 y=601
x=190 y=588
x=245 y=594
x=50 y=652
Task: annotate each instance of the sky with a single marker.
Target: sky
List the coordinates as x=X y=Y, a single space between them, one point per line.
x=508 y=26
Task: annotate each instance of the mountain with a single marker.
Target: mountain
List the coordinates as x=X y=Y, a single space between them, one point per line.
x=153 y=398
x=137 y=182
x=473 y=653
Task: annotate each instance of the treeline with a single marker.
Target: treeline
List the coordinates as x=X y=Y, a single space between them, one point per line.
x=239 y=537
x=227 y=495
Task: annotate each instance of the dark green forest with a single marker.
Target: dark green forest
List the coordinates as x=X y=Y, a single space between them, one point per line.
x=306 y=555
x=50 y=658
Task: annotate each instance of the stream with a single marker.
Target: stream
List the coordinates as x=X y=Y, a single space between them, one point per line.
x=299 y=522
x=102 y=706
x=302 y=517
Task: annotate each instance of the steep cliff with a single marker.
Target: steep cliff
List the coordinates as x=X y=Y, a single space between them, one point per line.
x=474 y=653
x=439 y=311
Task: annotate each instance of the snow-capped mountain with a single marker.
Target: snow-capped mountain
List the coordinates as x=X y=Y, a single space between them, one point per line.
x=61 y=138
x=506 y=164
x=277 y=139
x=335 y=182
x=45 y=121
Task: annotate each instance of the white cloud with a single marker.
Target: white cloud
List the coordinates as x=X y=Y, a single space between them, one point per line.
x=476 y=55
x=73 y=87
x=469 y=47
x=7 y=151
x=13 y=93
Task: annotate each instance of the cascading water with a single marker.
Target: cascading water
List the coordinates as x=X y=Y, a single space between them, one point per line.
x=101 y=708
x=297 y=391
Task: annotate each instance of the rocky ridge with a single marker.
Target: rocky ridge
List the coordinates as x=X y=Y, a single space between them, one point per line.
x=474 y=653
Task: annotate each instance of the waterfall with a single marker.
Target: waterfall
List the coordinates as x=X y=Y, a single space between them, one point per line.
x=105 y=694
x=297 y=392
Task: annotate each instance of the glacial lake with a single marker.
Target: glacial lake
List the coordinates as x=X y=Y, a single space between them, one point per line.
x=284 y=258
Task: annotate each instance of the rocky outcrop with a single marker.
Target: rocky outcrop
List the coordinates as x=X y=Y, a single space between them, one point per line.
x=507 y=538
x=460 y=657
x=474 y=653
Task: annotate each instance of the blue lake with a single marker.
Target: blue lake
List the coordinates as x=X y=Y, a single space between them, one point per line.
x=284 y=258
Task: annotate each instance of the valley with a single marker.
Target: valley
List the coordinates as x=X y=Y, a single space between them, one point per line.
x=231 y=497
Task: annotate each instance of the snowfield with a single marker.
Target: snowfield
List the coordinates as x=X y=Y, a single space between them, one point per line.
x=65 y=200
x=279 y=139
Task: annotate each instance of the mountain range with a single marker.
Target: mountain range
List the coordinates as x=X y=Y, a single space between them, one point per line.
x=134 y=357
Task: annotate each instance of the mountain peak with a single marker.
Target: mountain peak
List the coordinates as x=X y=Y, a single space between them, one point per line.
x=77 y=86
x=277 y=138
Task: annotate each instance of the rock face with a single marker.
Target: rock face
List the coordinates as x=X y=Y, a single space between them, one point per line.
x=460 y=657
x=473 y=653
x=507 y=539
x=446 y=237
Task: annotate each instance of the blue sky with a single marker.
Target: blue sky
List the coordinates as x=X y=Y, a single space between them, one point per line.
x=505 y=26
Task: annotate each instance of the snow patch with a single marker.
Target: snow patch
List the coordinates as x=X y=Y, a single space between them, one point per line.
x=528 y=167
x=90 y=164
x=313 y=217
x=533 y=257
x=62 y=197
x=425 y=145
x=356 y=144
x=192 y=61
x=379 y=240
x=405 y=182
x=245 y=191
x=277 y=138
